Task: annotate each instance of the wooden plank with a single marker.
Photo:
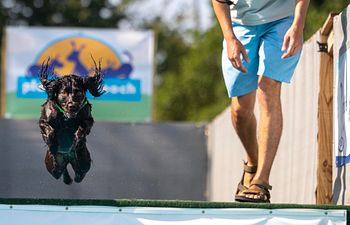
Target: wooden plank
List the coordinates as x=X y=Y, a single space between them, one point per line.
x=3 y=77
x=155 y=81
x=330 y=42
x=325 y=129
x=328 y=25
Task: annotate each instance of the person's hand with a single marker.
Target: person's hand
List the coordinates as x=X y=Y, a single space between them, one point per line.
x=292 y=42
x=234 y=51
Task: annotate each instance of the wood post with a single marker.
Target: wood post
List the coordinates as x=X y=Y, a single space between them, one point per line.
x=325 y=116
x=3 y=76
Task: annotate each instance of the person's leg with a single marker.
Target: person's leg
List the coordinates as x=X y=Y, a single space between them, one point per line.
x=241 y=88
x=244 y=122
x=270 y=128
x=273 y=70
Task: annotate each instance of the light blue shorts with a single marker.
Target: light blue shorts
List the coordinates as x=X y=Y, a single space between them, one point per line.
x=263 y=44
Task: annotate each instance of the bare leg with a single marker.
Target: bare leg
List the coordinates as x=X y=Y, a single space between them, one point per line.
x=270 y=127
x=244 y=122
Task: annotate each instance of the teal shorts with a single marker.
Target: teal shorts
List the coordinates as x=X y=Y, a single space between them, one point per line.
x=263 y=44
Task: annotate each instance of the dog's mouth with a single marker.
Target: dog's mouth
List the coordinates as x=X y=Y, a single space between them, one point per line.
x=71 y=111
x=70 y=115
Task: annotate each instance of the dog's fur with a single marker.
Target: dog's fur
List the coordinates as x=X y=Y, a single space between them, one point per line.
x=66 y=120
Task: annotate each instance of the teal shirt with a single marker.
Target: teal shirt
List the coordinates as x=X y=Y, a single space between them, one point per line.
x=255 y=12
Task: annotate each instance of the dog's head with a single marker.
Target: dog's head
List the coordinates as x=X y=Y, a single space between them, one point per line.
x=69 y=92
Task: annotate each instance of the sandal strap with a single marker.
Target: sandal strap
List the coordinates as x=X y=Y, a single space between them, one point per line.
x=241 y=188
x=261 y=184
x=249 y=169
x=262 y=193
x=255 y=192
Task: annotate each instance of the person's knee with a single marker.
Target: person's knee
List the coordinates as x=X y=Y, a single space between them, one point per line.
x=268 y=99
x=239 y=112
x=269 y=94
x=242 y=107
x=269 y=86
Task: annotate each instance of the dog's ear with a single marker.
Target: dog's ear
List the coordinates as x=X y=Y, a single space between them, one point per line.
x=50 y=86
x=95 y=83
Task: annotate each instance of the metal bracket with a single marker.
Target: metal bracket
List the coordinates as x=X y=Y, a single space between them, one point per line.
x=322 y=47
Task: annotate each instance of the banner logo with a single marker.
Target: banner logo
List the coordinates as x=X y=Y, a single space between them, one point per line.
x=115 y=89
x=73 y=56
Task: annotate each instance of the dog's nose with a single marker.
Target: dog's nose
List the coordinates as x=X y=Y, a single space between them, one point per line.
x=70 y=106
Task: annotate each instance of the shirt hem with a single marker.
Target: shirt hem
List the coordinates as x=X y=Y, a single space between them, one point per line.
x=261 y=21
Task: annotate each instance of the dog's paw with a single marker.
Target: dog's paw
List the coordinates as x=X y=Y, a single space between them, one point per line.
x=79 y=177
x=56 y=174
x=67 y=180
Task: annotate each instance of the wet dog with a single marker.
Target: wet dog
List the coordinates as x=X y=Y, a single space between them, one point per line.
x=66 y=120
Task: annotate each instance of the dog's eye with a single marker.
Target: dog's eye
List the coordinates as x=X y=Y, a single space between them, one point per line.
x=63 y=92
x=62 y=96
x=78 y=94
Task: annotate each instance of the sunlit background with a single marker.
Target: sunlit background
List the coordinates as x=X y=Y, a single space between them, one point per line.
x=188 y=83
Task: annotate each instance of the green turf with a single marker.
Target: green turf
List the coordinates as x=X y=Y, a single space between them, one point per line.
x=20 y=108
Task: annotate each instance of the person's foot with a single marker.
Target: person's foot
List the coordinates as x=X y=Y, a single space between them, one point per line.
x=257 y=195
x=257 y=192
x=248 y=175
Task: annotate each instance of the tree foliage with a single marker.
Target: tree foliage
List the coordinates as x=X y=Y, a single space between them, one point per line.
x=82 y=13
x=86 y=13
x=318 y=13
x=195 y=91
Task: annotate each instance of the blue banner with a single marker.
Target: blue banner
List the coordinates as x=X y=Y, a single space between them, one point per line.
x=115 y=89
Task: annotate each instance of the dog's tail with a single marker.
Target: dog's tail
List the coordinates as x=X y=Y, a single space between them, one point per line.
x=95 y=83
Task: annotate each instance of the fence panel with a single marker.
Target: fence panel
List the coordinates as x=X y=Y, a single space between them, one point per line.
x=341 y=101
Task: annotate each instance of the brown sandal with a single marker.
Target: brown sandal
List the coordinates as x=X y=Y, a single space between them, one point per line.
x=240 y=187
x=263 y=194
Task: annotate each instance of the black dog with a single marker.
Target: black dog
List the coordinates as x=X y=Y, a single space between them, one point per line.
x=66 y=120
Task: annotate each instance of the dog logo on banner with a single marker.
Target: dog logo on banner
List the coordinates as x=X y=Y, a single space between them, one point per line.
x=73 y=56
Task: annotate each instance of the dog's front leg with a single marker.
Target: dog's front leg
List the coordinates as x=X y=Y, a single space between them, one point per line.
x=48 y=134
x=81 y=133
